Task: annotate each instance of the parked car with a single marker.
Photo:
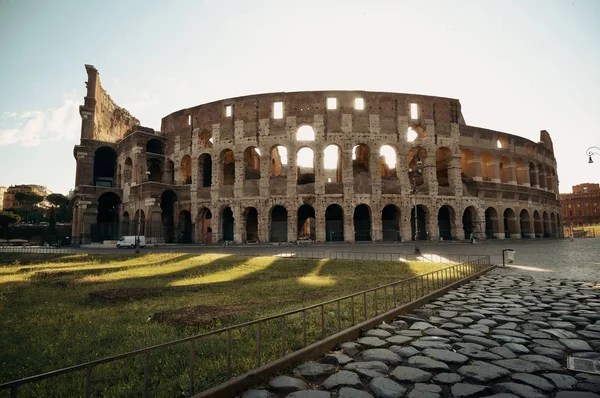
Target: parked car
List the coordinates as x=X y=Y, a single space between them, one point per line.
x=129 y=241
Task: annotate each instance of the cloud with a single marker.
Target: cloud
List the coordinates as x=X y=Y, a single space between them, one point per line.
x=35 y=127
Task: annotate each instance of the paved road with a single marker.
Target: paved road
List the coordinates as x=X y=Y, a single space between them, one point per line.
x=504 y=333
x=578 y=259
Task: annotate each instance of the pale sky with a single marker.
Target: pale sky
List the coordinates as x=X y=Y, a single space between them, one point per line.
x=516 y=66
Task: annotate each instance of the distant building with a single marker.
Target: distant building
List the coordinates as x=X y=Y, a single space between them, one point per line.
x=10 y=202
x=2 y=190
x=581 y=206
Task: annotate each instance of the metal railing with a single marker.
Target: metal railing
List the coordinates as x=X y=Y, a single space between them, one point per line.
x=235 y=350
x=37 y=250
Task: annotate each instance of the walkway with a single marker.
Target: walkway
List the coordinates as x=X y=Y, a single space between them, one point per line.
x=505 y=335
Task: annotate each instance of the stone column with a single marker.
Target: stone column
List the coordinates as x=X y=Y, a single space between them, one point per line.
x=238 y=185
x=432 y=225
x=457 y=228
x=454 y=176
x=476 y=161
x=402 y=173
x=319 y=170
x=238 y=223
x=376 y=224
x=525 y=171
x=264 y=226
x=348 y=224
x=265 y=173
x=217 y=179
x=319 y=222
x=495 y=168
x=292 y=224
x=292 y=174
x=405 y=216
x=513 y=173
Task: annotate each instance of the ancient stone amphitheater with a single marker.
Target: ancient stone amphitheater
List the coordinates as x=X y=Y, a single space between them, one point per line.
x=309 y=166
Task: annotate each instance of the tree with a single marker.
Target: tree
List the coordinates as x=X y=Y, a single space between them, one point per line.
x=28 y=199
x=63 y=204
x=8 y=218
x=58 y=200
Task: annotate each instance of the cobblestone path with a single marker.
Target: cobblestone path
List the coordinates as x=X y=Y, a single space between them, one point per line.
x=502 y=335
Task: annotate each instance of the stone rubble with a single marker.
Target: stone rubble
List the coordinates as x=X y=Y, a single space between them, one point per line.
x=502 y=335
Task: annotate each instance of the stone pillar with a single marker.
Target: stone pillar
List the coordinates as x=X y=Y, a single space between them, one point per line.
x=476 y=161
x=402 y=173
x=495 y=168
x=265 y=174
x=239 y=223
x=513 y=173
x=319 y=170
x=432 y=225
x=217 y=179
x=454 y=176
x=535 y=183
x=457 y=228
x=292 y=224
x=374 y=172
x=348 y=224
x=292 y=175
x=429 y=175
x=405 y=216
x=347 y=173
x=264 y=226
x=376 y=224
x=320 y=223
x=238 y=185
x=524 y=170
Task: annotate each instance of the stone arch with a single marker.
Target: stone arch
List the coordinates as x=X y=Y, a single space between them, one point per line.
x=154 y=170
x=446 y=222
x=155 y=146
x=332 y=163
x=502 y=142
x=279 y=161
x=279 y=224
x=305 y=162
x=390 y=223
x=388 y=157
x=538 y=226
x=525 y=224
x=184 y=227
x=107 y=218
x=105 y=164
x=125 y=222
x=306 y=222
x=362 y=223
x=488 y=172
x=205 y=139
x=128 y=171
x=252 y=163
x=417 y=157
x=510 y=223
x=251 y=222
x=360 y=159
x=305 y=133
x=334 y=223
x=469 y=222
x=419 y=217
x=443 y=157
x=492 y=226
x=205 y=170
x=170 y=172
x=467 y=163
x=532 y=174
x=546 y=221
x=227 y=224
x=205 y=225
x=185 y=171
x=542 y=176
x=228 y=164
x=505 y=167
x=167 y=215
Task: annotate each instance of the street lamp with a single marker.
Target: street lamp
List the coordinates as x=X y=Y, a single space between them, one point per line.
x=413 y=174
x=590 y=152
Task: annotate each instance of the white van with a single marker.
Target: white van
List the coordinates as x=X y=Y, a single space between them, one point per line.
x=129 y=241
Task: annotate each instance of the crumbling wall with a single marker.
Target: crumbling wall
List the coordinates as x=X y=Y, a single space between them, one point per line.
x=103 y=119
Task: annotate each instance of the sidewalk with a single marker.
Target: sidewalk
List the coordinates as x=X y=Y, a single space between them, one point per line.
x=502 y=335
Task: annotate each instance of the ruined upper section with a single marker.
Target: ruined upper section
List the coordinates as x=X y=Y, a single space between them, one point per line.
x=102 y=119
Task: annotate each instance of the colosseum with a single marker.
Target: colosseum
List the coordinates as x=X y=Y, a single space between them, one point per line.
x=318 y=166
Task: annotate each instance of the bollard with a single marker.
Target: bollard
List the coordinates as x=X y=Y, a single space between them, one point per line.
x=510 y=256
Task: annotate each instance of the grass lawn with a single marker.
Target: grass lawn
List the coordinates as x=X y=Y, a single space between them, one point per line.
x=64 y=310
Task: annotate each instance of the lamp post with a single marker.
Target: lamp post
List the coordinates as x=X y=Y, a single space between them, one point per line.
x=413 y=174
x=592 y=151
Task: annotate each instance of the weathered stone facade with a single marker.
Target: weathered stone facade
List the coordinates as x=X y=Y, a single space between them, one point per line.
x=291 y=166
x=582 y=206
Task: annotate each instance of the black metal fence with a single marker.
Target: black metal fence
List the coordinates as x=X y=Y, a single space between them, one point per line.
x=215 y=357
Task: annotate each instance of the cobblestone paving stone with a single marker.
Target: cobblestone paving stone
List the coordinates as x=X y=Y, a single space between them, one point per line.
x=532 y=325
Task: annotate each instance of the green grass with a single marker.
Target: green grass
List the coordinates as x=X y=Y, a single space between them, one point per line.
x=68 y=309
